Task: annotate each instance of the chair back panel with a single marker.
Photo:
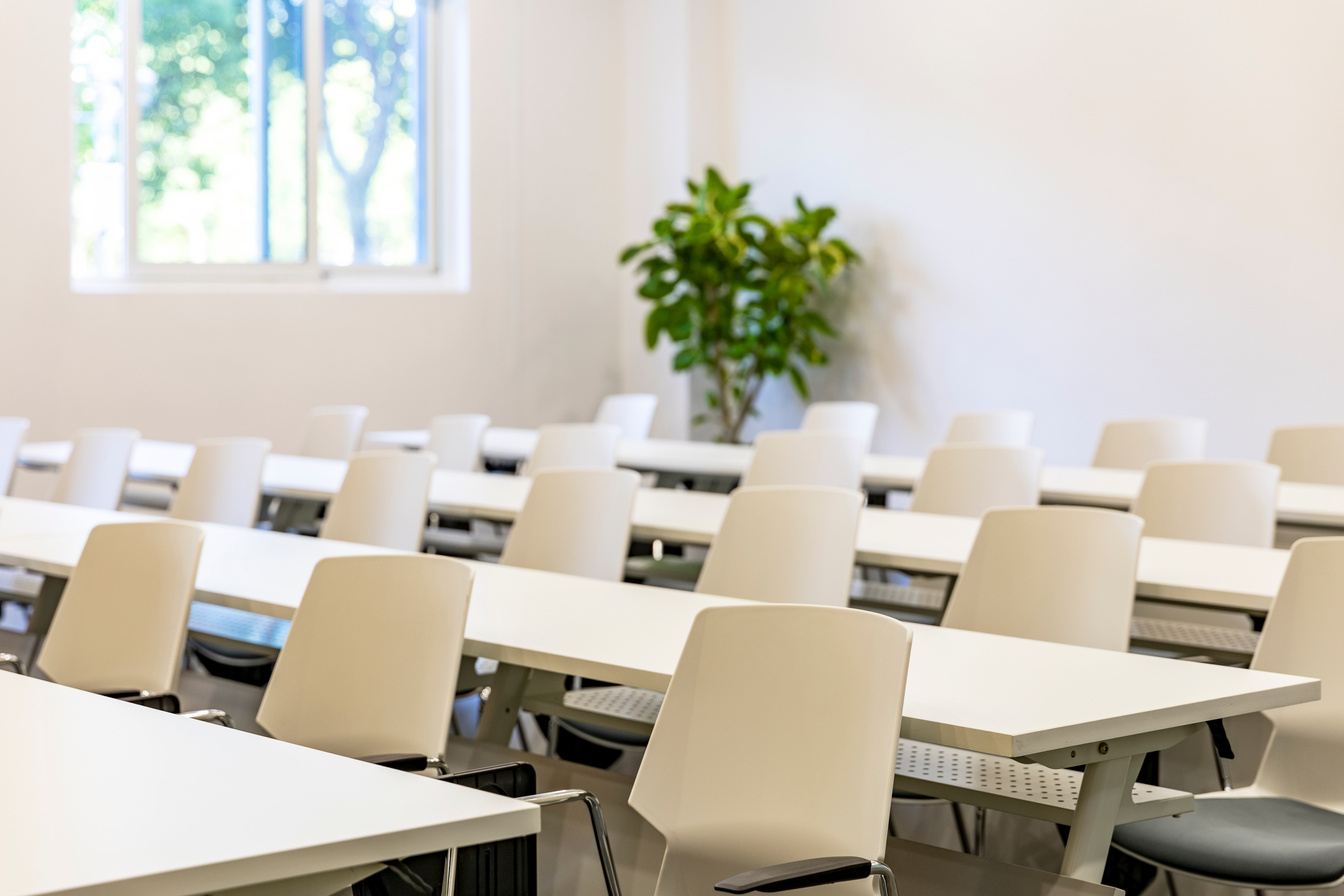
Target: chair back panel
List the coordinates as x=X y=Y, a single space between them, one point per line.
x=455 y=439
x=383 y=500
x=806 y=457
x=223 y=484
x=858 y=418
x=575 y=522
x=334 y=432
x=1134 y=444
x=12 y=432
x=968 y=479
x=633 y=413
x=1228 y=502
x=1309 y=454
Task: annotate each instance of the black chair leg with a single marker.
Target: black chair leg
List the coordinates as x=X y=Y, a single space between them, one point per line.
x=961 y=828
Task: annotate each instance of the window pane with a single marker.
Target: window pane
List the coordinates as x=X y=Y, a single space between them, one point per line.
x=98 y=194
x=222 y=158
x=371 y=173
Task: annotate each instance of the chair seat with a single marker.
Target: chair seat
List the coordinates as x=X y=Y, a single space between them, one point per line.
x=1264 y=841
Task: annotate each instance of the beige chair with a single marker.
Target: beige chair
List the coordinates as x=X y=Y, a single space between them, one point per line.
x=383 y=500
x=574 y=446
x=991 y=428
x=575 y=522
x=796 y=457
x=455 y=439
x=12 y=431
x=1134 y=444
x=1229 y=502
x=968 y=479
x=223 y=484
x=858 y=418
x=1309 y=454
x=633 y=413
x=95 y=474
x=334 y=431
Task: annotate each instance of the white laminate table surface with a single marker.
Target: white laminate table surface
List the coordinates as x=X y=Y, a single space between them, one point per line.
x=101 y=797
x=1001 y=695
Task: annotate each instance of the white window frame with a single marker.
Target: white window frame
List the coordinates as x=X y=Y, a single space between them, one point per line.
x=445 y=182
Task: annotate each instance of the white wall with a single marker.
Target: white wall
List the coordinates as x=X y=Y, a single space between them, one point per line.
x=533 y=340
x=1088 y=209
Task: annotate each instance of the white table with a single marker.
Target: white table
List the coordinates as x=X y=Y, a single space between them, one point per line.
x=1055 y=704
x=102 y=797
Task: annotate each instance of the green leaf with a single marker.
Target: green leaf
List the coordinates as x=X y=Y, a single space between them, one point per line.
x=685 y=359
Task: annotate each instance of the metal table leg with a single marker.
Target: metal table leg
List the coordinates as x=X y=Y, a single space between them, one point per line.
x=500 y=712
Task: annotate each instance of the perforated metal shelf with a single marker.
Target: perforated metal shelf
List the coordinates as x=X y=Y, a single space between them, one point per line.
x=912 y=596
x=631 y=704
x=1193 y=636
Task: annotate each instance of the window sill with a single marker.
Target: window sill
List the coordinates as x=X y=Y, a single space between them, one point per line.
x=354 y=285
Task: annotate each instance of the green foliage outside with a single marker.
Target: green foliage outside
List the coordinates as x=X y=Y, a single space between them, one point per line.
x=738 y=294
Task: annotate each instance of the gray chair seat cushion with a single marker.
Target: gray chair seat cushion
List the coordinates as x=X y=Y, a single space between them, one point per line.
x=1260 y=840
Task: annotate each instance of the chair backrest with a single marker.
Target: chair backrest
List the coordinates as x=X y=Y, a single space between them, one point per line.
x=122 y=620
x=383 y=500
x=223 y=484
x=1229 y=502
x=370 y=664
x=967 y=479
x=785 y=544
x=738 y=776
x=797 y=457
x=991 y=428
x=1063 y=574
x=95 y=474
x=12 y=431
x=456 y=439
x=1301 y=637
x=858 y=418
x=632 y=412
x=1309 y=454
x=1134 y=444
x=575 y=522
x=334 y=431
x=574 y=445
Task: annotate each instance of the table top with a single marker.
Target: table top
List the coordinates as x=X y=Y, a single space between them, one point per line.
x=1007 y=696
x=95 y=792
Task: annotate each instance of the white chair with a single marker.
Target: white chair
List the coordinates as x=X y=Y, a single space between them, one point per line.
x=575 y=522
x=95 y=474
x=121 y=624
x=795 y=457
x=370 y=664
x=574 y=445
x=633 y=413
x=1309 y=454
x=223 y=484
x=858 y=418
x=383 y=500
x=1062 y=574
x=1229 y=502
x=1286 y=830
x=968 y=479
x=455 y=439
x=991 y=428
x=785 y=544
x=733 y=781
x=334 y=431
x=1134 y=444
x=12 y=431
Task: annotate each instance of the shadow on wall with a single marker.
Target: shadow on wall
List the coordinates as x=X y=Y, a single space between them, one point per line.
x=873 y=360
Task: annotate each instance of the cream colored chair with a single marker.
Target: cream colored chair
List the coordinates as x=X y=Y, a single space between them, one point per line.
x=1062 y=574
x=573 y=446
x=1228 y=502
x=1309 y=454
x=383 y=500
x=991 y=428
x=793 y=457
x=633 y=413
x=1286 y=830
x=12 y=431
x=95 y=474
x=455 y=439
x=370 y=664
x=785 y=544
x=121 y=624
x=575 y=522
x=858 y=418
x=223 y=484
x=334 y=431
x=1134 y=444
x=968 y=479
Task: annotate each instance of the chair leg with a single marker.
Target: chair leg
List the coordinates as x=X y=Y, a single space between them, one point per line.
x=961 y=828
x=1171 y=882
x=980 y=830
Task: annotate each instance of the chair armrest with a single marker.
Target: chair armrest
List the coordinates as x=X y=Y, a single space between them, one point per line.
x=218 y=716
x=13 y=662
x=153 y=699
x=808 y=873
x=407 y=762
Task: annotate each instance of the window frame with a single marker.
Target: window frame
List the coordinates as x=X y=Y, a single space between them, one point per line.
x=443 y=269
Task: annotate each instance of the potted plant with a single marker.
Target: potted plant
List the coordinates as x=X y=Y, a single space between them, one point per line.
x=738 y=293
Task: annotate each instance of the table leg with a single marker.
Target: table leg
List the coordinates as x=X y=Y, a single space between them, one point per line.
x=44 y=609
x=1105 y=784
x=500 y=712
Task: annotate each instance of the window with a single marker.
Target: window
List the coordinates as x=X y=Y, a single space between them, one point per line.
x=259 y=138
